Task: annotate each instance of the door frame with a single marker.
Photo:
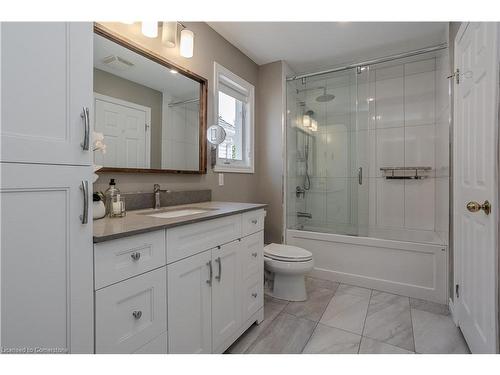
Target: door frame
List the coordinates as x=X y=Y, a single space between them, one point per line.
x=456 y=271
x=125 y=103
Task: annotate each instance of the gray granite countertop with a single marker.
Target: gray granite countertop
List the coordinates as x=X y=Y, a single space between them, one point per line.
x=136 y=222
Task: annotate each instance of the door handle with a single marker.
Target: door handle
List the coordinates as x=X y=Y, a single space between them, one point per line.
x=219 y=261
x=210 y=275
x=85 y=190
x=475 y=207
x=86 y=134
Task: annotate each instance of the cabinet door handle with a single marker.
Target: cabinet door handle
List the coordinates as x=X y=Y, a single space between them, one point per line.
x=85 y=190
x=254 y=255
x=137 y=314
x=209 y=281
x=219 y=261
x=254 y=295
x=136 y=255
x=86 y=134
x=254 y=221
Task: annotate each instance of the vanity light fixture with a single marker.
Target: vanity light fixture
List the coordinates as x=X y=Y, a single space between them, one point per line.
x=173 y=71
x=169 y=34
x=314 y=125
x=187 y=43
x=306 y=121
x=150 y=29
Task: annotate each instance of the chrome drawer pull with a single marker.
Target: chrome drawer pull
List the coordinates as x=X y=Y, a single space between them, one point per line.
x=85 y=189
x=254 y=295
x=136 y=256
x=218 y=260
x=86 y=136
x=137 y=314
x=209 y=281
x=254 y=255
x=254 y=221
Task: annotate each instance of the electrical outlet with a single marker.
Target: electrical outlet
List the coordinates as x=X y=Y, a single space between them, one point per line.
x=221 y=179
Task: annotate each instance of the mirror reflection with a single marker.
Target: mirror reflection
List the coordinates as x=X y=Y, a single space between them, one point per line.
x=149 y=114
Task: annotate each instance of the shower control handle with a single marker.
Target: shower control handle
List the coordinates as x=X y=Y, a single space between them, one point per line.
x=360 y=175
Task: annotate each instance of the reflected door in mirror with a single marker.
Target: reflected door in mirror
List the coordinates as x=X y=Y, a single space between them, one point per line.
x=126 y=131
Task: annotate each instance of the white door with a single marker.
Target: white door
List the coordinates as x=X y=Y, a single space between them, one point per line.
x=126 y=129
x=47 y=258
x=189 y=304
x=475 y=180
x=47 y=70
x=226 y=293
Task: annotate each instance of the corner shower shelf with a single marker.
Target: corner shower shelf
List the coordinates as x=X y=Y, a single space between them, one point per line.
x=406 y=173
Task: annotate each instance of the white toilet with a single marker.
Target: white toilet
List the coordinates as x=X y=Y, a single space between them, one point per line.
x=286 y=267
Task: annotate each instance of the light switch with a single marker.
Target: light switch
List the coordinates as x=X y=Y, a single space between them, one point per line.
x=221 y=179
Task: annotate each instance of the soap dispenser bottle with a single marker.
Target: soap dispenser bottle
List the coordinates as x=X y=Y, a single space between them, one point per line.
x=110 y=195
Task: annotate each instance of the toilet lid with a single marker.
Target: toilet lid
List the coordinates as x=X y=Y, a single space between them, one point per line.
x=286 y=252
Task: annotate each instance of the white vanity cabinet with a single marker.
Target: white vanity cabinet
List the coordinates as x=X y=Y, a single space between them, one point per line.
x=190 y=304
x=45 y=187
x=47 y=70
x=214 y=296
x=193 y=288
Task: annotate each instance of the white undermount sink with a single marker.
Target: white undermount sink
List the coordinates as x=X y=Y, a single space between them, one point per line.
x=178 y=213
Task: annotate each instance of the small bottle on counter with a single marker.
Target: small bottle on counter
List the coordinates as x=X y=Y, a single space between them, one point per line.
x=115 y=203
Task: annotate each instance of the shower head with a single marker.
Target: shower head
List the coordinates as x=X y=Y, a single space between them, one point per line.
x=325 y=97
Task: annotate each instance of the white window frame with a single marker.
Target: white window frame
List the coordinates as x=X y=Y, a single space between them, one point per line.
x=222 y=74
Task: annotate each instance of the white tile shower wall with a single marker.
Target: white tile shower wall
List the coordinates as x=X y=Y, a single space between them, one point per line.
x=180 y=136
x=404 y=109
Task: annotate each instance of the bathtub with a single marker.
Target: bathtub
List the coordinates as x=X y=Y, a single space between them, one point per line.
x=413 y=268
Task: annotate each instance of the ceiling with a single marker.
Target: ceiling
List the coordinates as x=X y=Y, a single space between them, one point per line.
x=145 y=72
x=309 y=46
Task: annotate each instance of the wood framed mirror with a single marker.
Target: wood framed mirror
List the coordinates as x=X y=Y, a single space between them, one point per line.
x=151 y=112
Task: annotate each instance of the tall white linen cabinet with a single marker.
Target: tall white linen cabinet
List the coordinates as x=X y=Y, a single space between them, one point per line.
x=46 y=182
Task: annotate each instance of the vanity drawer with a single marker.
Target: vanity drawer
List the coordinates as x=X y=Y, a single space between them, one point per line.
x=253 y=295
x=252 y=221
x=252 y=252
x=120 y=259
x=130 y=314
x=155 y=346
x=187 y=240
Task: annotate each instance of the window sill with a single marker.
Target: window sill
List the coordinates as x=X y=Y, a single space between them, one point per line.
x=221 y=169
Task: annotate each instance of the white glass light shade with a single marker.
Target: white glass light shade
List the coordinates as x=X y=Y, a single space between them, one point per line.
x=314 y=125
x=150 y=29
x=169 y=34
x=187 y=43
x=306 y=121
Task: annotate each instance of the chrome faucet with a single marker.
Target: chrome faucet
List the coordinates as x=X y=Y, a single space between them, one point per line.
x=157 y=190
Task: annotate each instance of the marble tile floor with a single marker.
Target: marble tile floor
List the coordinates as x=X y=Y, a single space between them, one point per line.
x=345 y=319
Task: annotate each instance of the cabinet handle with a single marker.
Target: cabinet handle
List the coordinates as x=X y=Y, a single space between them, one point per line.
x=85 y=190
x=136 y=255
x=254 y=295
x=86 y=135
x=254 y=221
x=209 y=281
x=254 y=255
x=137 y=314
x=218 y=260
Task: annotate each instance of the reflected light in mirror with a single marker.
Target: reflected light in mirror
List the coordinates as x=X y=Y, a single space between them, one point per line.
x=187 y=43
x=150 y=29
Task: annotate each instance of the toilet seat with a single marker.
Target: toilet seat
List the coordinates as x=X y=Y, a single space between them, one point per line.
x=287 y=253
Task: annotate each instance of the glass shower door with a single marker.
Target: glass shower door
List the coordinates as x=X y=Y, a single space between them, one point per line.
x=326 y=189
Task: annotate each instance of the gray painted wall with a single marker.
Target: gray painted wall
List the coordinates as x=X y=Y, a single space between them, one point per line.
x=209 y=46
x=108 y=84
x=270 y=139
